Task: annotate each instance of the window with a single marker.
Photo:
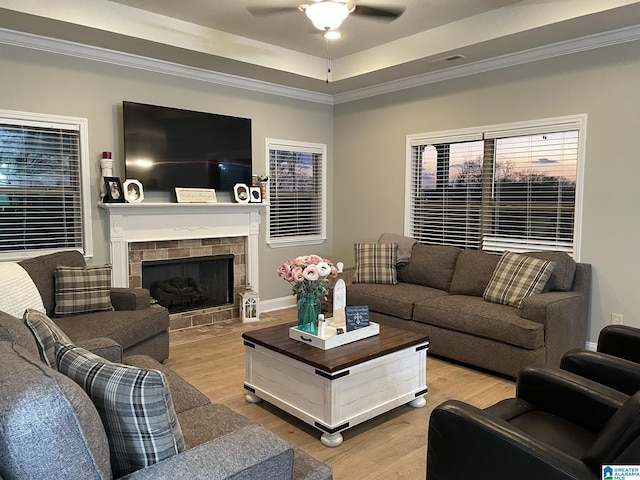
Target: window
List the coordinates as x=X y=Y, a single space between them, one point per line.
x=507 y=187
x=44 y=194
x=297 y=193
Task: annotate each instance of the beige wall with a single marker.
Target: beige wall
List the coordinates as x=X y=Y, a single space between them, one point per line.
x=370 y=155
x=47 y=83
x=367 y=156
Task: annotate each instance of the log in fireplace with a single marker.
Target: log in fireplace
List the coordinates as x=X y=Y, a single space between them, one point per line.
x=184 y=284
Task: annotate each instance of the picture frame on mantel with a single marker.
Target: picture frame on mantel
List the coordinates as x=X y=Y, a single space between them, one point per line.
x=255 y=194
x=241 y=193
x=115 y=194
x=133 y=191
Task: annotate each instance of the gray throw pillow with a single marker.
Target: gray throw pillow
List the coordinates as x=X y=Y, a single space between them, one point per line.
x=134 y=404
x=376 y=263
x=46 y=334
x=82 y=289
x=517 y=277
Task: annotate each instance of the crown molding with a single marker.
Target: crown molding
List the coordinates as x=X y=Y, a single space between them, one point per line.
x=87 y=52
x=98 y=54
x=614 y=37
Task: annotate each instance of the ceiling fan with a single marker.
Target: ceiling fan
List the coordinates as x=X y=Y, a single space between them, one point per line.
x=328 y=15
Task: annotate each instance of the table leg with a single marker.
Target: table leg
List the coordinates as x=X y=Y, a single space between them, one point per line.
x=251 y=398
x=331 y=439
x=418 y=402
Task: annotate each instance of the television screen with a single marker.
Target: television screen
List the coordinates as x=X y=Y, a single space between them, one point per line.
x=168 y=147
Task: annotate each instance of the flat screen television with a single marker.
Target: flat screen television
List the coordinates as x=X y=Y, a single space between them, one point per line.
x=168 y=147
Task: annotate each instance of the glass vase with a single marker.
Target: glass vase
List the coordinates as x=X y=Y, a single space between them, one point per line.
x=308 y=311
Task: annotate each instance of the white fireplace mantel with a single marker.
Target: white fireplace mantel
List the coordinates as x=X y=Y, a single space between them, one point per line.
x=145 y=222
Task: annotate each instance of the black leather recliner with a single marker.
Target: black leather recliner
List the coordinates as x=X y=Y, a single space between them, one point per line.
x=559 y=426
x=616 y=363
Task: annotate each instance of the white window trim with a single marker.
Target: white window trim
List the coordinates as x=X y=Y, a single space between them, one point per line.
x=292 y=145
x=82 y=125
x=574 y=122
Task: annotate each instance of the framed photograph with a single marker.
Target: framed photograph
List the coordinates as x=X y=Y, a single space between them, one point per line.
x=115 y=193
x=196 y=195
x=256 y=194
x=133 y=191
x=241 y=193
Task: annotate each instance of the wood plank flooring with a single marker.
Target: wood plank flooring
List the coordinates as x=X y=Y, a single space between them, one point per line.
x=391 y=446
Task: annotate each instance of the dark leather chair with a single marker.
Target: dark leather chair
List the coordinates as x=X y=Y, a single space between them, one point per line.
x=559 y=426
x=616 y=363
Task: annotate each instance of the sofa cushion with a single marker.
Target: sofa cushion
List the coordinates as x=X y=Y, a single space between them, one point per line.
x=41 y=268
x=128 y=328
x=135 y=406
x=46 y=334
x=431 y=266
x=376 y=263
x=82 y=289
x=474 y=316
x=474 y=269
x=184 y=395
x=395 y=300
x=48 y=425
x=517 y=277
x=14 y=330
x=562 y=277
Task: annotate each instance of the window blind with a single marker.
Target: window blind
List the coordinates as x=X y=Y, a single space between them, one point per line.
x=296 y=194
x=509 y=187
x=41 y=201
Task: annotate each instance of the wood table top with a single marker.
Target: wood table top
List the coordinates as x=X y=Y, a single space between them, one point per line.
x=389 y=340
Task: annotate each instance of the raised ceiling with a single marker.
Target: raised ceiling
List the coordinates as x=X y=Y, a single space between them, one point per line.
x=223 y=36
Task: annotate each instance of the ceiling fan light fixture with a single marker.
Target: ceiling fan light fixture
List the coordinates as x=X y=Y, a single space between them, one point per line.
x=327 y=15
x=332 y=35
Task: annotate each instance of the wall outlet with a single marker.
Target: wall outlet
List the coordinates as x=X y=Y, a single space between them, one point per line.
x=616 y=319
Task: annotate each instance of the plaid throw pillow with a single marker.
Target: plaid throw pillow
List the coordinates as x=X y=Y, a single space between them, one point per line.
x=46 y=334
x=376 y=263
x=82 y=289
x=516 y=277
x=134 y=404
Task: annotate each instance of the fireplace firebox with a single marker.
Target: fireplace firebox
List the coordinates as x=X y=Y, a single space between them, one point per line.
x=184 y=284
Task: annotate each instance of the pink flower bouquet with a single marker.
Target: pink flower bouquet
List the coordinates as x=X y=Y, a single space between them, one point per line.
x=308 y=274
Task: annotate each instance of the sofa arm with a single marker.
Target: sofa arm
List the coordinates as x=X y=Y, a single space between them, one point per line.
x=617 y=373
x=105 y=347
x=570 y=396
x=564 y=316
x=493 y=449
x=251 y=452
x=130 y=298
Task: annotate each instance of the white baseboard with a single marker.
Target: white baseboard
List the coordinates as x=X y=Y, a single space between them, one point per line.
x=277 y=303
x=591 y=346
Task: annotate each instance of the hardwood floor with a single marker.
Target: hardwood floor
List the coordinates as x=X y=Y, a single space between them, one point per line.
x=391 y=446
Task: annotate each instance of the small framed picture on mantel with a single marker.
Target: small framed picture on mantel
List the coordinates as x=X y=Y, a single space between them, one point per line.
x=115 y=194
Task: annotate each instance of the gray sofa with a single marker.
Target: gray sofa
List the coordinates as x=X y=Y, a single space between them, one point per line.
x=440 y=293
x=134 y=325
x=50 y=429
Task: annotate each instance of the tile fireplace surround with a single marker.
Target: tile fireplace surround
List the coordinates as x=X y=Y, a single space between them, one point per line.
x=154 y=231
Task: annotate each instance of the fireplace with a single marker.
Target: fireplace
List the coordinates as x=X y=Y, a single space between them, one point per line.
x=187 y=284
x=145 y=232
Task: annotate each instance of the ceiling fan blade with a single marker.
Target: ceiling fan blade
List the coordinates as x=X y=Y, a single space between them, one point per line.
x=265 y=11
x=387 y=13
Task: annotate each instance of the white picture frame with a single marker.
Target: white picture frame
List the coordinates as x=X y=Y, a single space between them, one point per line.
x=196 y=195
x=241 y=193
x=133 y=191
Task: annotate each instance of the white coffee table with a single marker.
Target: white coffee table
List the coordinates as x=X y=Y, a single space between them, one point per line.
x=336 y=389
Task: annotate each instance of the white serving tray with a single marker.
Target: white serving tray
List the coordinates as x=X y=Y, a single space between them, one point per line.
x=332 y=339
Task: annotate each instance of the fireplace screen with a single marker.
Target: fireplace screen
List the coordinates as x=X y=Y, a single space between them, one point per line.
x=190 y=283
